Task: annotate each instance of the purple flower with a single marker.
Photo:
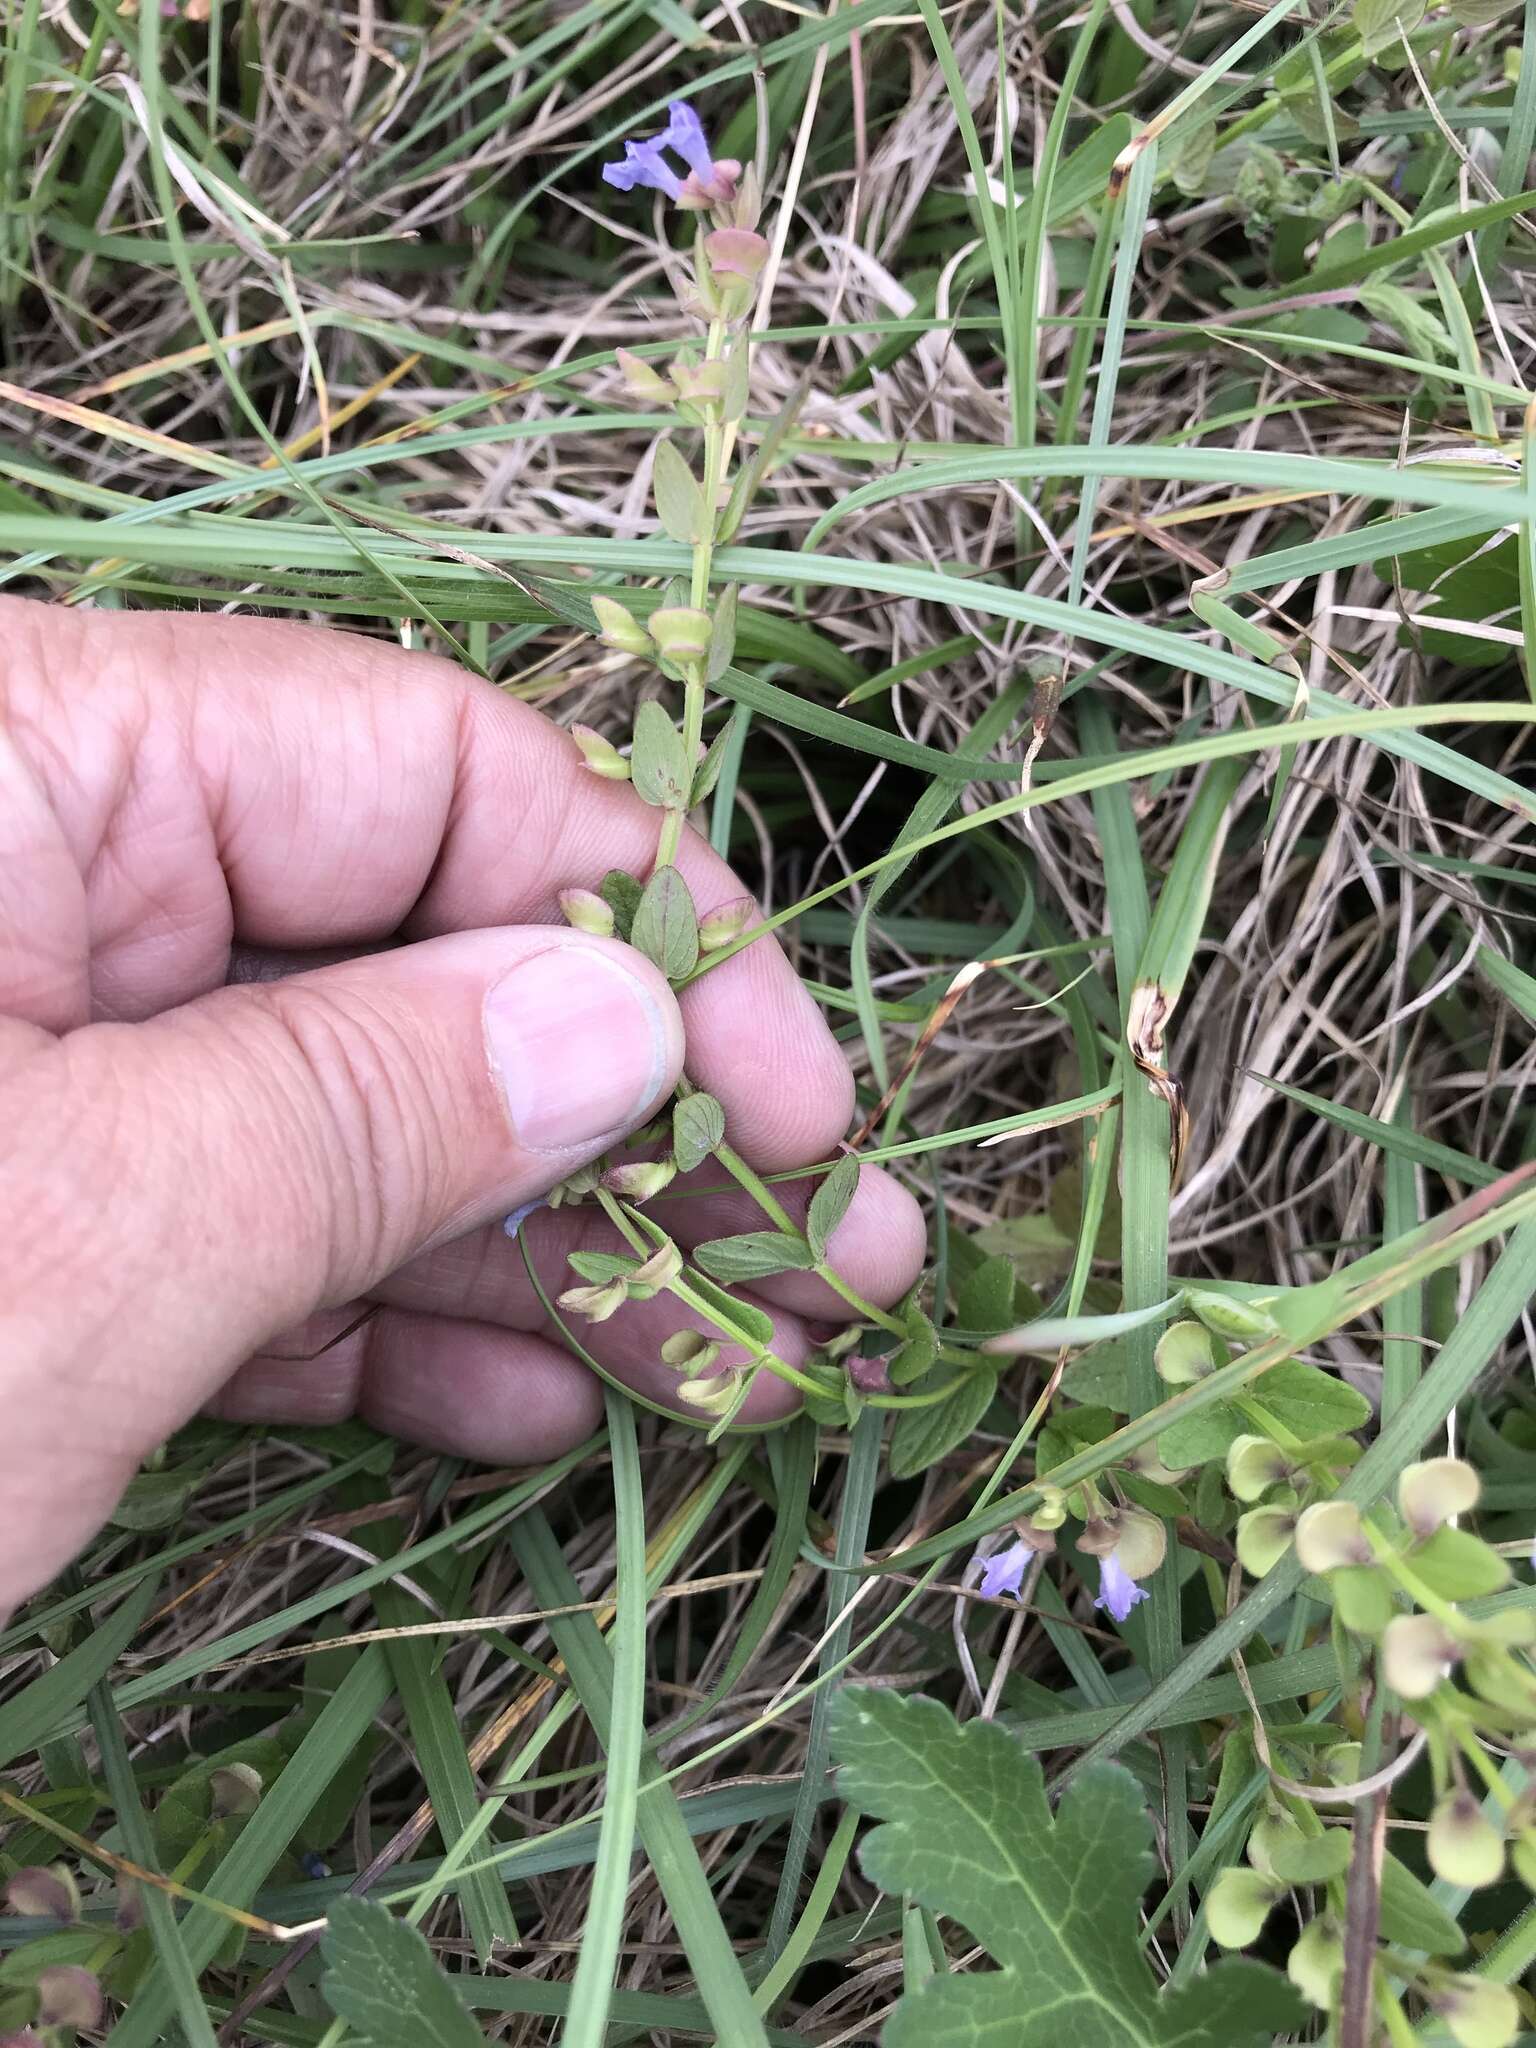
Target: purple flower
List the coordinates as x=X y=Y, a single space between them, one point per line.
x=644 y=164
x=709 y=183
x=1118 y=1591
x=1005 y=1572
x=514 y=1223
x=684 y=135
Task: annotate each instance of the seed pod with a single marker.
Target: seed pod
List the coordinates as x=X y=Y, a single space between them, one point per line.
x=1238 y=1904
x=1329 y=1534
x=1434 y=1491
x=1417 y=1653
x=1463 y=1846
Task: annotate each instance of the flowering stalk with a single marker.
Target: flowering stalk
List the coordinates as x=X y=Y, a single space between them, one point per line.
x=690 y=638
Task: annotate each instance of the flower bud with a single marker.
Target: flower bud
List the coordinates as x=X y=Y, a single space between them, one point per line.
x=713 y=1395
x=1254 y=1465
x=601 y=756
x=700 y=384
x=1330 y=1535
x=640 y=1179
x=725 y=924
x=736 y=252
x=1264 y=1535
x=1185 y=1353
x=686 y=1349
x=658 y=1272
x=640 y=380
x=1463 y=1846
x=1244 y=1321
x=68 y=1996
x=1238 y=1904
x=1417 y=1652
x=1052 y=1511
x=1316 y=1962
x=1480 y=2014
x=681 y=633
x=1431 y=1493
x=597 y=1304
x=41 y=1894
x=619 y=628
x=587 y=912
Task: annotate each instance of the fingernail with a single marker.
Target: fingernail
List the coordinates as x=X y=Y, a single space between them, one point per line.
x=580 y=1044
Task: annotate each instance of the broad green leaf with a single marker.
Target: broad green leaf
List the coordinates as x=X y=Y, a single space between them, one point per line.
x=382 y=1979
x=679 y=501
x=909 y=1361
x=923 y=1435
x=658 y=763
x=621 y=892
x=1069 y=1431
x=1314 y=1858
x=722 y=642
x=1310 y=1402
x=666 y=926
x=1100 y=1377
x=1411 y=1914
x=1200 y=1438
x=984 y=1298
x=754 y=1255
x=1379 y=23
x=698 y=1125
x=1458 y=1565
x=746 y=1316
x=829 y=1204
x=1055 y=1900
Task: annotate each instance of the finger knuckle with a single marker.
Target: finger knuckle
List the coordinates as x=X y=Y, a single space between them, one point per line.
x=376 y=1140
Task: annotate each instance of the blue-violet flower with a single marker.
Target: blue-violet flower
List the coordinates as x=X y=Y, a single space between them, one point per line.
x=1118 y=1591
x=710 y=182
x=1004 y=1573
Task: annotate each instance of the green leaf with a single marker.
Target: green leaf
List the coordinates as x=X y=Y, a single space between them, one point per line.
x=923 y=1435
x=1458 y=1565
x=708 y=772
x=1411 y=1914
x=1379 y=23
x=658 y=762
x=1362 y=1598
x=621 y=893
x=381 y=1978
x=722 y=639
x=755 y=1255
x=968 y=1833
x=909 y=1361
x=1313 y=1859
x=1201 y=1438
x=1310 y=1402
x=829 y=1204
x=1069 y=1431
x=984 y=1298
x=698 y=1125
x=1101 y=1376
x=666 y=927
x=741 y=1315
x=600 y=1267
x=679 y=501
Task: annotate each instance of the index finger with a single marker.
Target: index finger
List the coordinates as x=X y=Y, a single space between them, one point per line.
x=292 y=786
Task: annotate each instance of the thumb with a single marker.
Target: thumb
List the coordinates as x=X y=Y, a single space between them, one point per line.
x=175 y=1192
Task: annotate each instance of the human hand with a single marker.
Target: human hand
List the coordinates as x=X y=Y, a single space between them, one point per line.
x=202 y=1184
